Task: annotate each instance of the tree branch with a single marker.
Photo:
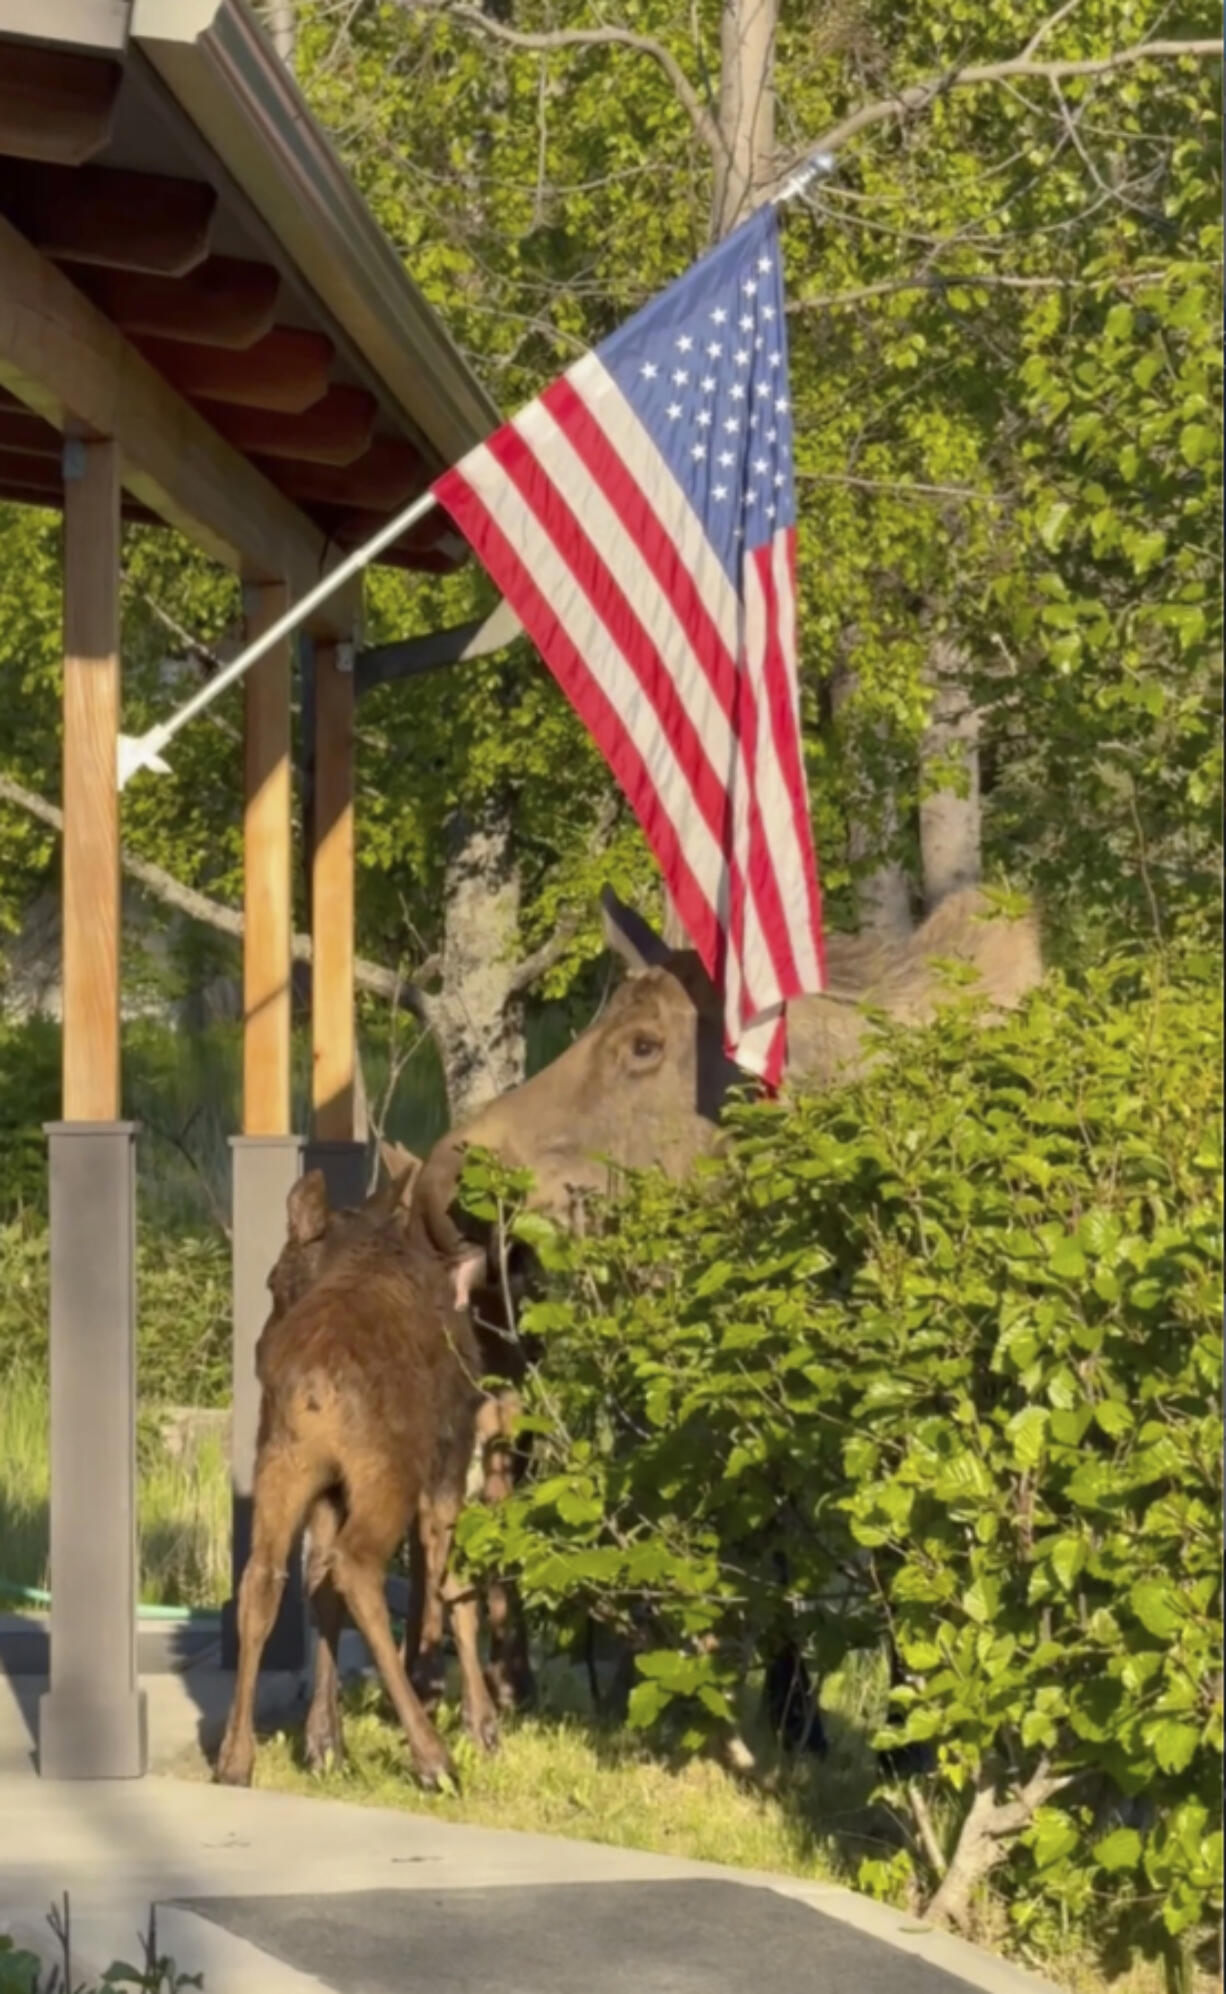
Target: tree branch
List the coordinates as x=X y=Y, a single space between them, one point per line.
x=939 y=280
x=699 y=115
x=915 y=98
x=368 y=976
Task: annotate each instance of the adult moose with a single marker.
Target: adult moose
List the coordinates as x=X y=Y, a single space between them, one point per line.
x=644 y=1085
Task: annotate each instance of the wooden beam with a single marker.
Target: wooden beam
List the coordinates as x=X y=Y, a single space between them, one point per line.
x=19 y=430
x=267 y=841
x=69 y=364
x=223 y=302
x=336 y=431
x=91 y=795
x=97 y=214
x=384 y=479
x=55 y=104
x=286 y=371
x=332 y=901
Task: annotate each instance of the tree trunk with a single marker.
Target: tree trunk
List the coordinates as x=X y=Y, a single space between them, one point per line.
x=476 y=1016
x=883 y=893
x=746 y=110
x=949 y=781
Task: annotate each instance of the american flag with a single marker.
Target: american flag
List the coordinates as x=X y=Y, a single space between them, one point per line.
x=640 y=519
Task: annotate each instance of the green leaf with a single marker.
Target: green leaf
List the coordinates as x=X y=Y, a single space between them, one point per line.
x=1121 y=1849
x=1172 y=1744
x=1067 y=1558
x=1027 y=1431
x=1157 y=1606
x=1067 y=1260
x=1052 y=1837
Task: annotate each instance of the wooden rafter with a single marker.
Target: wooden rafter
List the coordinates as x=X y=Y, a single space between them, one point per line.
x=286 y=370
x=19 y=430
x=95 y=214
x=336 y=431
x=69 y=364
x=385 y=478
x=55 y=105
x=224 y=301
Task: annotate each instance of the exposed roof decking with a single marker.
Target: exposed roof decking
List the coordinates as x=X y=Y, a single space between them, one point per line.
x=163 y=162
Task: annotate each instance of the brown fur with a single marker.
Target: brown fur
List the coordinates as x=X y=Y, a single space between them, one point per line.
x=370 y=1372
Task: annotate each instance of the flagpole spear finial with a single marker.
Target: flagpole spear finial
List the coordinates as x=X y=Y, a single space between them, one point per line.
x=818 y=167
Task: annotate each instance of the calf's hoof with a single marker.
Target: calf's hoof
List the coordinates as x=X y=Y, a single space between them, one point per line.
x=234 y=1769
x=482 y=1727
x=436 y=1774
x=512 y=1685
x=324 y=1751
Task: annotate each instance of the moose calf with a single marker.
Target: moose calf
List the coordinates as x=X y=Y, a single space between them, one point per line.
x=371 y=1386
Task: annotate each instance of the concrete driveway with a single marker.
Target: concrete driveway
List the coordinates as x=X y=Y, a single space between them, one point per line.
x=269 y=1893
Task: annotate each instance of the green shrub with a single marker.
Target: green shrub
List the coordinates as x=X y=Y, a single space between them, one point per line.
x=938 y=1355
x=183 y=1311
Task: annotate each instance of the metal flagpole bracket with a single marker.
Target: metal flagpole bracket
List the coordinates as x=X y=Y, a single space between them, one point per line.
x=819 y=167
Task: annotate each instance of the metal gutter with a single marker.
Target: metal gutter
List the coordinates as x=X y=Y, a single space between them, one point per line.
x=216 y=62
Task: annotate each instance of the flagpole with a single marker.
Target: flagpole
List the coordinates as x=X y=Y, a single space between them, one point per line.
x=145 y=750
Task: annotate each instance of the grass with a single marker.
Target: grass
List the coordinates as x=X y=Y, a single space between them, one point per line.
x=183 y=1516
x=562 y=1772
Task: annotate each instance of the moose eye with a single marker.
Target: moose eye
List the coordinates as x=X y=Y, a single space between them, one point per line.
x=644 y=1046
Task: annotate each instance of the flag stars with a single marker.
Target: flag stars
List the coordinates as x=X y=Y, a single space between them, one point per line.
x=750 y=288
x=674 y=411
x=719 y=491
x=680 y=377
x=731 y=425
x=727 y=457
x=709 y=384
x=765 y=264
x=768 y=313
x=649 y=370
x=704 y=418
x=760 y=465
x=684 y=343
x=737 y=392
x=741 y=356
x=719 y=315
x=782 y=405
x=714 y=350
x=747 y=322
x=699 y=451
x=776 y=360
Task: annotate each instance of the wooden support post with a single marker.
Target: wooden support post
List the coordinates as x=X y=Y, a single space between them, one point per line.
x=332 y=898
x=267 y=908
x=91 y=800
x=267 y=1157
x=92 y=1719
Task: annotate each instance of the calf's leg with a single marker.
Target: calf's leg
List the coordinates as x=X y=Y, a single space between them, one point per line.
x=324 y=1739
x=285 y=1485
x=359 y=1560
x=510 y=1667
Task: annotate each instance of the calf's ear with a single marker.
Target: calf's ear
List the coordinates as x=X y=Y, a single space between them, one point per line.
x=465 y=1273
x=629 y=935
x=307 y=1209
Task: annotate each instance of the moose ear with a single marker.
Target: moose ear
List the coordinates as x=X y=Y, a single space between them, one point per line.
x=307 y=1209
x=630 y=936
x=465 y=1274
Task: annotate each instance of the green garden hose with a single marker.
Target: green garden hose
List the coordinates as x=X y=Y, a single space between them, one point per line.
x=35 y=1596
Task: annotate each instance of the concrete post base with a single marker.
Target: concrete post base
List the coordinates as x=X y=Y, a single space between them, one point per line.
x=265 y=1168
x=344 y=1167
x=91 y=1722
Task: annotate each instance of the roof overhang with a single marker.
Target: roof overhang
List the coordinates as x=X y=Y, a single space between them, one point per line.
x=195 y=229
